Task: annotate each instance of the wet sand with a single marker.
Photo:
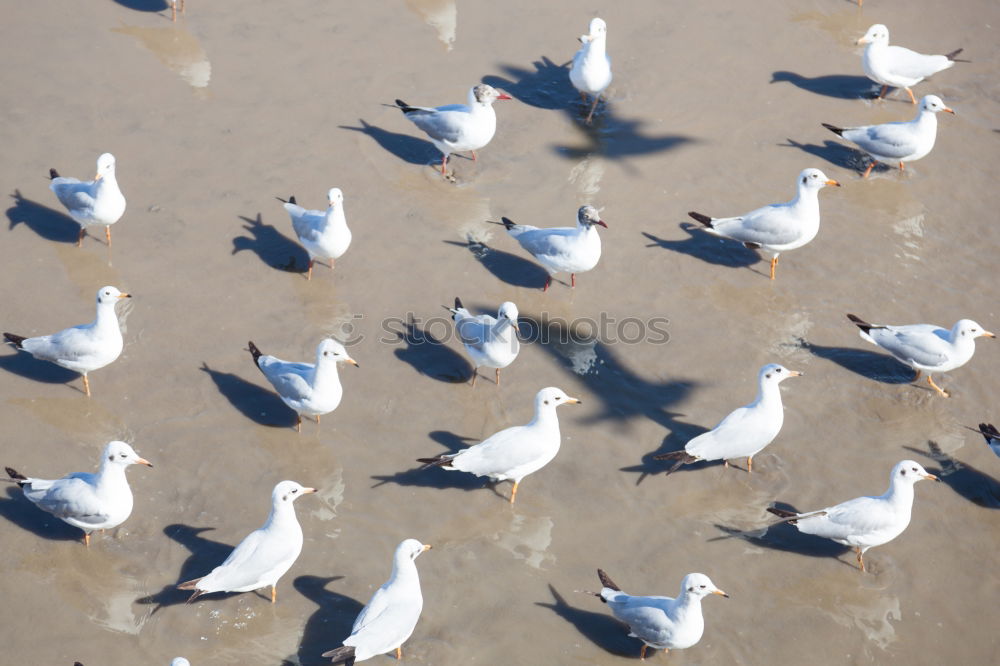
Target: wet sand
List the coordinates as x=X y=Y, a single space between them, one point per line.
x=715 y=107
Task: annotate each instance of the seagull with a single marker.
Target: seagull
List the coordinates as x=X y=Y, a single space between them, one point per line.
x=898 y=67
x=91 y=502
x=925 y=346
x=778 y=227
x=457 y=127
x=490 y=342
x=516 y=452
x=82 y=348
x=324 y=234
x=591 y=69
x=992 y=435
x=310 y=389
x=264 y=555
x=95 y=202
x=900 y=141
x=391 y=615
x=864 y=522
x=661 y=622
x=562 y=249
x=746 y=431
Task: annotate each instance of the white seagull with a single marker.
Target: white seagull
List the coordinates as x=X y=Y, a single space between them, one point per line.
x=992 y=436
x=925 y=346
x=490 y=342
x=264 y=555
x=95 y=202
x=82 y=348
x=864 y=522
x=778 y=227
x=591 y=69
x=391 y=615
x=900 y=141
x=746 y=431
x=310 y=389
x=516 y=452
x=324 y=234
x=661 y=623
x=455 y=128
x=91 y=502
x=898 y=67
x=562 y=249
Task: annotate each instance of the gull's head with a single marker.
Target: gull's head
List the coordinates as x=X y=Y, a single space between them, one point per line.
x=288 y=492
x=773 y=373
x=877 y=34
x=410 y=549
x=966 y=328
x=486 y=94
x=105 y=166
x=588 y=216
x=909 y=471
x=335 y=197
x=553 y=397
x=331 y=350
x=815 y=179
x=120 y=453
x=109 y=294
x=701 y=585
x=598 y=28
x=509 y=311
x=934 y=104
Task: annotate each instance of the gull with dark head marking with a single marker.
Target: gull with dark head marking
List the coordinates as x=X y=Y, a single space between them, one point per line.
x=264 y=555
x=864 y=522
x=746 y=431
x=96 y=202
x=590 y=72
x=82 y=348
x=896 y=66
x=324 y=234
x=562 y=249
x=662 y=623
x=779 y=227
x=455 y=128
x=490 y=342
x=100 y=501
x=925 y=347
x=900 y=141
x=312 y=389
x=391 y=615
x=516 y=452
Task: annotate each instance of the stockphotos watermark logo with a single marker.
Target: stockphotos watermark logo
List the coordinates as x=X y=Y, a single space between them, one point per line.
x=413 y=329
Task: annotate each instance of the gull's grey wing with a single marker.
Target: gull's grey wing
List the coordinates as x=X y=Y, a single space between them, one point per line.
x=922 y=344
x=895 y=140
x=69 y=497
x=290 y=380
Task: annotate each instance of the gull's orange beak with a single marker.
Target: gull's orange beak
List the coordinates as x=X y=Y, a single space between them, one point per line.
x=949 y=110
x=720 y=593
x=573 y=401
x=143 y=461
x=795 y=373
x=427 y=547
x=989 y=335
x=833 y=182
x=931 y=477
x=124 y=295
x=307 y=491
x=352 y=362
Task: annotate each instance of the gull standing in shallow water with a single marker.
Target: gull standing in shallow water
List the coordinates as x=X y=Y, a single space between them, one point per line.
x=661 y=623
x=900 y=141
x=310 y=389
x=746 y=431
x=864 y=522
x=391 y=615
x=925 y=346
x=591 y=69
x=324 y=235
x=82 y=348
x=94 y=202
x=516 y=452
x=455 y=128
x=264 y=555
x=896 y=66
x=490 y=342
x=562 y=249
x=91 y=502
x=778 y=227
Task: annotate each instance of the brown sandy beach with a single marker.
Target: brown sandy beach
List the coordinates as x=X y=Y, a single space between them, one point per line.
x=715 y=107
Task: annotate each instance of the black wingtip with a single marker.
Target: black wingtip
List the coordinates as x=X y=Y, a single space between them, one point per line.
x=404 y=107
x=507 y=222
x=53 y=174
x=458 y=303
x=680 y=458
x=256 y=353
x=704 y=219
x=290 y=199
x=839 y=131
x=781 y=513
x=951 y=56
x=15 y=340
x=988 y=430
x=344 y=653
x=860 y=323
x=439 y=461
x=16 y=476
x=606 y=581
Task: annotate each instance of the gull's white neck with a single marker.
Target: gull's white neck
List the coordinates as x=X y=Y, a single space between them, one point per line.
x=768 y=395
x=404 y=571
x=899 y=495
x=596 y=47
x=325 y=375
x=282 y=515
x=545 y=417
x=335 y=217
x=106 y=318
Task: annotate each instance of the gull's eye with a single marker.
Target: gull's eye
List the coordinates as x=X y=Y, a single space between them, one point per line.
x=122 y=455
x=702 y=586
x=914 y=469
x=778 y=370
x=295 y=491
x=558 y=398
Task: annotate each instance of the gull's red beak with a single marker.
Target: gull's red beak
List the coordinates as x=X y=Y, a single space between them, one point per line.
x=602 y=223
x=504 y=96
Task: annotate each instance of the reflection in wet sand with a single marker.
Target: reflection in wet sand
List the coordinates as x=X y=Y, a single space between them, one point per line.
x=176 y=48
x=442 y=15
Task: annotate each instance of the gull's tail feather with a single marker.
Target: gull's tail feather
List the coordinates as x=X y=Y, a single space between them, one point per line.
x=344 y=653
x=679 y=457
x=15 y=340
x=839 y=131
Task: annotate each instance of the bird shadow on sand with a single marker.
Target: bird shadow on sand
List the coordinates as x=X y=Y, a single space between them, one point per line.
x=49 y=223
x=840 y=86
x=273 y=247
x=430 y=356
x=24 y=364
x=976 y=486
x=708 y=248
x=506 y=267
x=787 y=538
x=597 y=626
x=406 y=147
x=17 y=509
x=206 y=554
x=837 y=154
x=255 y=402
x=329 y=624
x=872 y=365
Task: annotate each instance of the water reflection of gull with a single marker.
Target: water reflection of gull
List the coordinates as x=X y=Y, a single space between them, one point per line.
x=176 y=48
x=442 y=15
